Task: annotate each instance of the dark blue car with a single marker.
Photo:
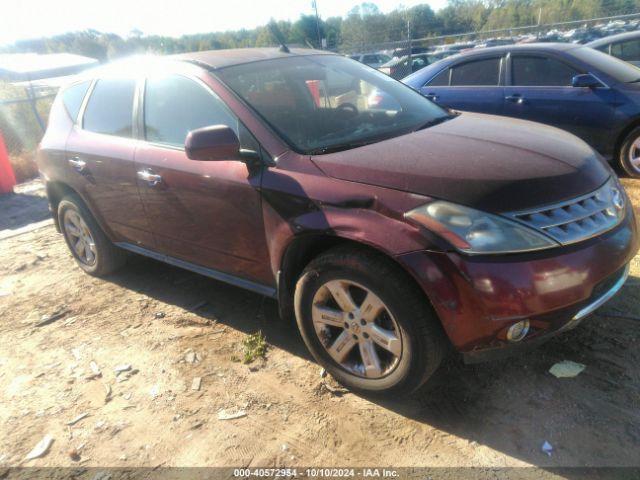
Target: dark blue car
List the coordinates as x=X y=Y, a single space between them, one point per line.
x=581 y=90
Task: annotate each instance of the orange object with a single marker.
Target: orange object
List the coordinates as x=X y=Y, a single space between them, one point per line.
x=7 y=178
x=314 y=89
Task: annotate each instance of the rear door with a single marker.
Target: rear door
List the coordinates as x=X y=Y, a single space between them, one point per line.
x=472 y=86
x=539 y=89
x=207 y=213
x=100 y=154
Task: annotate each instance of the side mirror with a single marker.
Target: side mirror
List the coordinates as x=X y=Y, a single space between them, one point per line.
x=217 y=142
x=585 y=81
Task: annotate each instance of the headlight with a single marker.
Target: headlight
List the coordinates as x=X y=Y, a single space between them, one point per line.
x=475 y=232
x=613 y=195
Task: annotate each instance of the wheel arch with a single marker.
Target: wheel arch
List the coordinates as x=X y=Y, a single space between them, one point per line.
x=57 y=190
x=302 y=249
x=634 y=123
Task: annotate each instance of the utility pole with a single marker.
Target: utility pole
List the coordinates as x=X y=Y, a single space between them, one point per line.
x=539 y=20
x=314 y=3
x=410 y=59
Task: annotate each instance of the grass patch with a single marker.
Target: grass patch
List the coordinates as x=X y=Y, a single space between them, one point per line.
x=253 y=347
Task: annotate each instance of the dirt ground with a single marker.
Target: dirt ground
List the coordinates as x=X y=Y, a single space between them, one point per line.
x=170 y=327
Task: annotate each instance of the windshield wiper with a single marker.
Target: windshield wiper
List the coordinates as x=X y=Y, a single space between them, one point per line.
x=344 y=146
x=336 y=148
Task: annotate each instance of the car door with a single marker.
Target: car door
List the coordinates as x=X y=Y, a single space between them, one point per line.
x=539 y=89
x=472 y=85
x=100 y=153
x=207 y=213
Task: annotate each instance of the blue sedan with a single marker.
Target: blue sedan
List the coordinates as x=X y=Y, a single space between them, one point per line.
x=581 y=90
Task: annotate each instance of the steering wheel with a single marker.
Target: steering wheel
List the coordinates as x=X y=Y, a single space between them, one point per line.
x=348 y=110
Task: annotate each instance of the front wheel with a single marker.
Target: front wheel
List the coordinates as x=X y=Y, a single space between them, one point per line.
x=630 y=154
x=367 y=323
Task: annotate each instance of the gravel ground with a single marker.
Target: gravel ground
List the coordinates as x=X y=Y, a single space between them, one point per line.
x=166 y=328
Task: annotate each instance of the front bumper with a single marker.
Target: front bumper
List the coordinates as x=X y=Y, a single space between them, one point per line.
x=478 y=298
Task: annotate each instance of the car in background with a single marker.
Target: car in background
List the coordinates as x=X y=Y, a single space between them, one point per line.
x=373 y=60
x=494 y=42
x=625 y=46
x=573 y=87
x=453 y=47
x=399 y=67
x=401 y=52
x=389 y=238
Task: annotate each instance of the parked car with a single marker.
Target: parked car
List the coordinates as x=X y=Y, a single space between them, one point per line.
x=576 y=88
x=374 y=60
x=402 y=52
x=625 y=46
x=387 y=237
x=399 y=67
x=454 y=47
x=494 y=42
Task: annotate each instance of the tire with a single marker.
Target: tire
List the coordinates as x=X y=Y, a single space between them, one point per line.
x=405 y=317
x=629 y=158
x=105 y=257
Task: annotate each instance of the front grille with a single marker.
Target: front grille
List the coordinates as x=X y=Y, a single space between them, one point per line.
x=577 y=219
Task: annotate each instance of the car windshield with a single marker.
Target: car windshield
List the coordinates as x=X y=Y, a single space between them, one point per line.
x=612 y=66
x=319 y=103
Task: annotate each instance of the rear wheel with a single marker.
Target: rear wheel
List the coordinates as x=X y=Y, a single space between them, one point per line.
x=630 y=154
x=90 y=247
x=367 y=323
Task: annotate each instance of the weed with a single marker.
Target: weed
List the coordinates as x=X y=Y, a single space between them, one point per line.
x=254 y=347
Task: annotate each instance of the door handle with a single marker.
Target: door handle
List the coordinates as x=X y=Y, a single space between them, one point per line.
x=77 y=163
x=518 y=99
x=432 y=96
x=151 y=178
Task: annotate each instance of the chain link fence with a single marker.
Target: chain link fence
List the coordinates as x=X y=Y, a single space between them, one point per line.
x=23 y=115
x=409 y=54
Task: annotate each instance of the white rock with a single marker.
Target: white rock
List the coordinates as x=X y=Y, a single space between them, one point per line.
x=77 y=419
x=224 y=415
x=195 y=385
x=122 y=368
x=41 y=448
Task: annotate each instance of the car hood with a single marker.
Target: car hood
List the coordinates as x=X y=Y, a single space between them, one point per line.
x=491 y=163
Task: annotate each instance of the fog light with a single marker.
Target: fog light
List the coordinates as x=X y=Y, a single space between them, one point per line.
x=518 y=331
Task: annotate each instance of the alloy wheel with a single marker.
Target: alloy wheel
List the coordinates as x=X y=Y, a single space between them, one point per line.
x=356 y=329
x=80 y=238
x=634 y=155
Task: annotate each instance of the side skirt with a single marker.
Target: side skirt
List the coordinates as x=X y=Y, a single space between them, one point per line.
x=207 y=272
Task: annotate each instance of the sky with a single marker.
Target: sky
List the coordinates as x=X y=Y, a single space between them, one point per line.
x=22 y=19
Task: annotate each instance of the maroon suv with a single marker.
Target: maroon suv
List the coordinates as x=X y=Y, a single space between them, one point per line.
x=389 y=233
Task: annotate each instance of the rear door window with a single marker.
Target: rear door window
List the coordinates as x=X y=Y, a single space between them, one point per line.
x=484 y=72
x=72 y=98
x=539 y=71
x=440 y=80
x=110 y=107
x=175 y=105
